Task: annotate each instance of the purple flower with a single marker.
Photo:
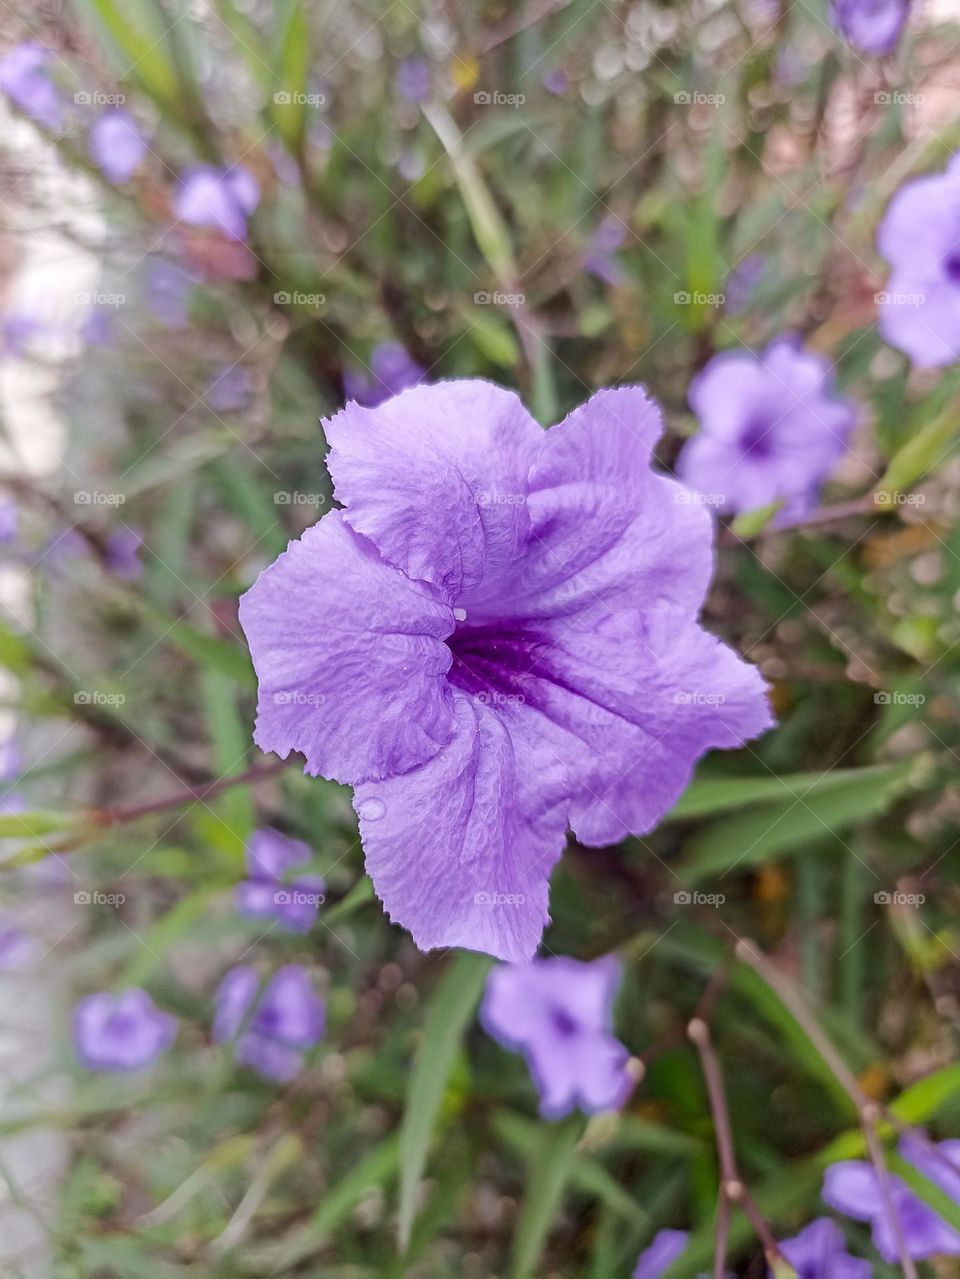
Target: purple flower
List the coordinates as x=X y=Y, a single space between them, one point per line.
x=230 y=390
x=271 y=890
x=817 y=1252
x=17 y=948
x=168 y=292
x=117 y=146
x=122 y=553
x=413 y=79
x=273 y=1032
x=392 y=370
x=870 y=26
x=770 y=428
x=599 y=258
x=9 y=521
x=852 y=1187
x=496 y=641
x=121 y=1032
x=662 y=1253
x=920 y=306
x=741 y=283
x=221 y=199
x=24 y=79
x=559 y=1014
x=18 y=329
x=556 y=81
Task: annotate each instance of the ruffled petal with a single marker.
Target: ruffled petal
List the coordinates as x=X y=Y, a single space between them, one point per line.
x=350 y=658
x=459 y=852
x=922 y=319
x=437 y=479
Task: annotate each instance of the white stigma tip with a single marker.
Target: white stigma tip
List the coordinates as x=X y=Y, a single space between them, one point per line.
x=460 y=614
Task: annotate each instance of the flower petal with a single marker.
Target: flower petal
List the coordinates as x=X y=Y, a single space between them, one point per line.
x=457 y=849
x=350 y=658
x=436 y=478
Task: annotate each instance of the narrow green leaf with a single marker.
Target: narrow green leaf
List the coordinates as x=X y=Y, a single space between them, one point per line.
x=706 y=796
x=292 y=62
x=550 y=1168
x=921 y=454
x=927 y=1190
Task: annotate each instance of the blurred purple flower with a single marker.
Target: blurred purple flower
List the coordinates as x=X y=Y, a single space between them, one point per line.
x=117 y=146
x=273 y=1031
x=508 y=648
x=230 y=390
x=770 y=428
x=271 y=889
x=284 y=165
x=9 y=521
x=413 y=79
x=556 y=81
x=221 y=199
x=920 y=306
x=24 y=79
x=97 y=327
x=122 y=553
x=852 y=1187
x=599 y=258
x=870 y=26
x=11 y=766
x=741 y=283
x=818 y=1252
x=662 y=1253
x=559 y=1014
x=168 y=292
x=121 y=1032
x=17 y=948
x=392 y=370
x=18 y=328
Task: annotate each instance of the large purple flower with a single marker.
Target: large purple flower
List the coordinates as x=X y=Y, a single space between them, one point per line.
x=121 y=1032
x=852 y=1187
x=818 y=1252
x=221 y=199
x=871 y=26
x=117 y=146
x=272 y=889
x=24 y=79
x=392 y=370
x=274 y=1031
x=920 y=238
x=496 y=641
x=559 y=1013
x=770 y=428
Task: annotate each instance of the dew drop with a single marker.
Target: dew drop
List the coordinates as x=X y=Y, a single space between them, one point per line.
x=371 y=810
x=460 y=614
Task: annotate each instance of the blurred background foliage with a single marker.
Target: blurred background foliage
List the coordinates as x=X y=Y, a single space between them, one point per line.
x=608 y=163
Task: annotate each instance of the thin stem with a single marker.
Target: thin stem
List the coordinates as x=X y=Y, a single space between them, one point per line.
x=188 y=795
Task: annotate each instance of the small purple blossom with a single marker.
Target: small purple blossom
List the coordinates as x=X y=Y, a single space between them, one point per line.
x=272 y=889
x=413 y=79
x=221 y=199
x=818 y=1252
x=17 y=948
x=559 y=1014
x=18 y=328
x=230 y=390
x=556 y=81
x=870 y=26
x=168 y=290
x=274 y=1031
x=117 y=147
x=662 y=1253
x=742 y=282
x=121 y=1032
x=122 y=553
x=600 y=256
x=9 y=521
x=392 y=370
x=920 y=305
x=852 y=1187
x=770 y=429
x=24 y=79
x=495 y=642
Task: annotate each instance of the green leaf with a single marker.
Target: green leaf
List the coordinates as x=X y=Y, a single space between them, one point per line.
x=134 y=31
x=451 y=1009
x=921 y=454
x=550 y=1168
x=750 y=523
x=706 y=796
x=292 y=63
x=41 y=822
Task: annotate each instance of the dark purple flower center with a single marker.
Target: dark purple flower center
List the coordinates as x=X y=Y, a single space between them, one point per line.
x=122 y=1026
x=499 y=663
x=565 y=1025
x=756 y=438
x=951 y=267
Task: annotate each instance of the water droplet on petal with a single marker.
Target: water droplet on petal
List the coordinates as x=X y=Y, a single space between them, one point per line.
x=371 y=810
x=460 y=614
